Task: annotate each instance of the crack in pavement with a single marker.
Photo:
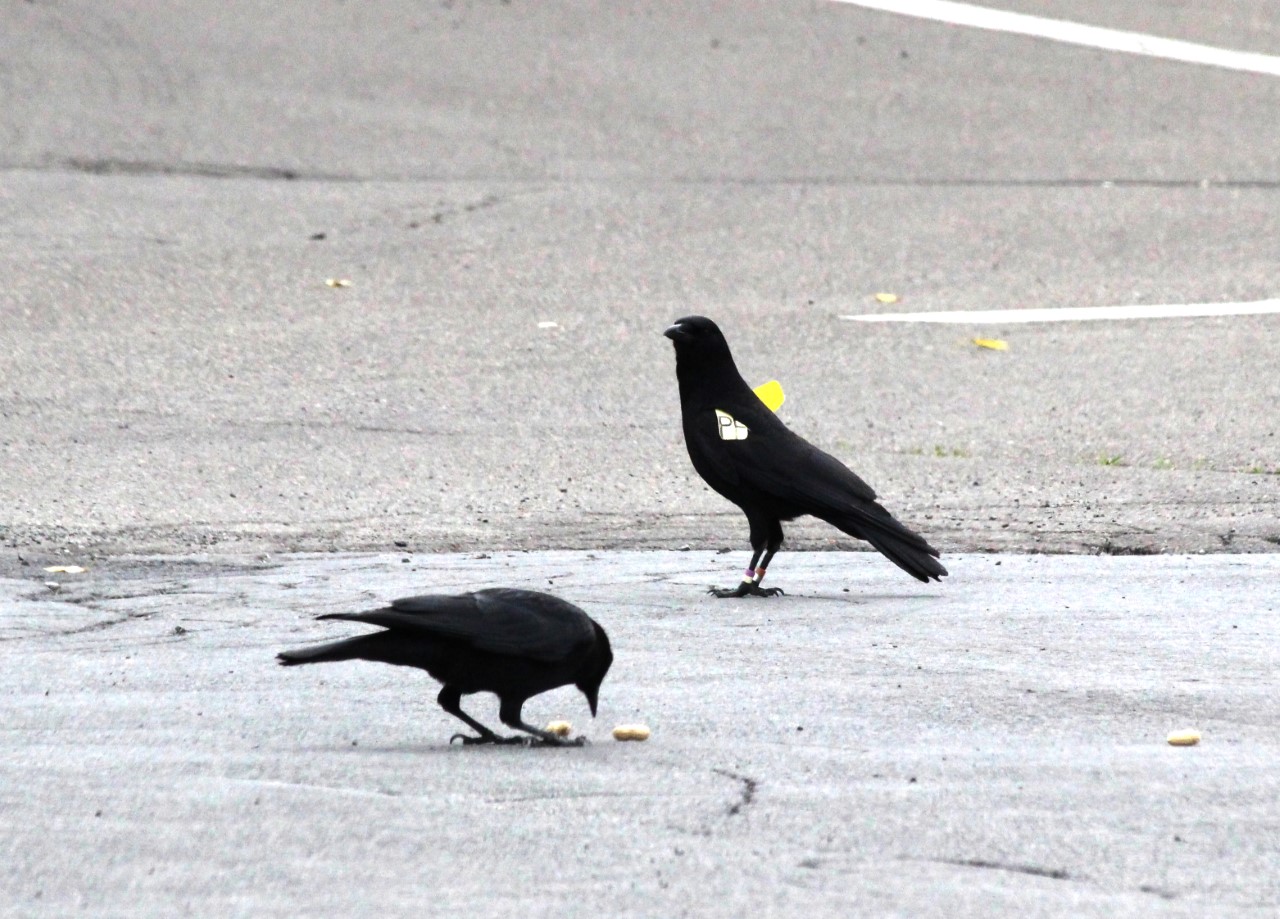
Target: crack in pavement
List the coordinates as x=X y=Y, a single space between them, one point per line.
x=80 y=630
x=749 y=788
x=1056 y=874
x=92 y=599
x=121 y=167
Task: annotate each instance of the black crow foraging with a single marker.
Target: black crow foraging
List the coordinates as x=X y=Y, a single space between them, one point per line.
x=746 y=454
x=513 y=643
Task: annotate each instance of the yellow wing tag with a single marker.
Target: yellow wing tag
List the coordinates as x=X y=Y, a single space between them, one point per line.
x=730 y=428
x=771 y=394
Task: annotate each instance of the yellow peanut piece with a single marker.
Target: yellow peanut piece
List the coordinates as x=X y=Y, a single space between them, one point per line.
x=1186 y=738
x=559 y=728
x=631 y=732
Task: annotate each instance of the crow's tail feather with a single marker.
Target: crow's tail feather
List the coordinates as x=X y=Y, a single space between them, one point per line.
x=895 y=542
x=921 y=564
x=348 y=649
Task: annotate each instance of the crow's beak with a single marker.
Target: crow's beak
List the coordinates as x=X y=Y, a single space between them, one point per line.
x=591 y=700
x=676 y=332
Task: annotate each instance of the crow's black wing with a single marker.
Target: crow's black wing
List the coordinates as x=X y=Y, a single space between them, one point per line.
x=772 y=460
x=777 y=471
x=520 y=623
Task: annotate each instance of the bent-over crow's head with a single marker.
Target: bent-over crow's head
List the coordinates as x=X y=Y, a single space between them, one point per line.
x=593 y=670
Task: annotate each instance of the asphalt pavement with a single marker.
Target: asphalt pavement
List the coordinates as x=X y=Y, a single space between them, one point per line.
x=522 y=196
x=310 y=305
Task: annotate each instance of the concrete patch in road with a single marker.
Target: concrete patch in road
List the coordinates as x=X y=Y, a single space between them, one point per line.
x=995 y=743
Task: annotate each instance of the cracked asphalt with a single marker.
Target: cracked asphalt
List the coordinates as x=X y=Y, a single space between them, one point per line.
x=521 y=197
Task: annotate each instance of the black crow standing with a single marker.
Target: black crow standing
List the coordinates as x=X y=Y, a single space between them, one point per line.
x=513 y=643
x=746 y=454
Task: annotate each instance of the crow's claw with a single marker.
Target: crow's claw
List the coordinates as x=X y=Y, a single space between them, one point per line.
x=746 y=590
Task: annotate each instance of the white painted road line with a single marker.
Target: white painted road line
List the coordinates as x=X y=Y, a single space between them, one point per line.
x=1075 y=33
x=1077 y=313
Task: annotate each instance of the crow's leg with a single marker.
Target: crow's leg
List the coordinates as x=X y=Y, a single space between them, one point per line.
x=771 y=549
x=450 y=700
x=510 y=715
x=763 y=533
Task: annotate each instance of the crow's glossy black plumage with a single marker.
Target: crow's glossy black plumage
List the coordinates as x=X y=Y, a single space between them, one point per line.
x=513 y=643
x=750 y=457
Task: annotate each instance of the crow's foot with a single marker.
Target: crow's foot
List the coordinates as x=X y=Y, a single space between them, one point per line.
x=578 y=741
x=746 y=589
x=468 y=740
